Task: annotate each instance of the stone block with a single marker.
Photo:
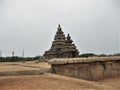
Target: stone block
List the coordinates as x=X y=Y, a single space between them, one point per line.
x=115 y=66
x=115 y=73
x=70 y=61
x=97 y=72
x=82 y=74
x=119 y=73
x=97 y=67
x=97 y=75
x=108 y=66
x=107 y=74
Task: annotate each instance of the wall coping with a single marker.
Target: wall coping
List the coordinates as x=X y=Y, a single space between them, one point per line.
x=57 y=61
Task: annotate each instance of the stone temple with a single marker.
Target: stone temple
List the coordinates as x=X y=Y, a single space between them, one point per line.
x=62 y=46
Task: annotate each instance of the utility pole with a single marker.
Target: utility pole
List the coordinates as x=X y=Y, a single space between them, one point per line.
x=13 y=58
x=13 y=53
x=23 y=55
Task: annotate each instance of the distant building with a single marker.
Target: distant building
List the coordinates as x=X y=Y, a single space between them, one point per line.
x=62 y=46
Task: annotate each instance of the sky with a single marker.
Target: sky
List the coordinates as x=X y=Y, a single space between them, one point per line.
x=30 y=25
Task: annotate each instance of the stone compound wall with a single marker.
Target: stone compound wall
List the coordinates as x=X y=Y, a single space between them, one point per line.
x=95 y=68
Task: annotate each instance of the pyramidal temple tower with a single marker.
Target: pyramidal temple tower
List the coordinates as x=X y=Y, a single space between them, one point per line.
x=62 y=46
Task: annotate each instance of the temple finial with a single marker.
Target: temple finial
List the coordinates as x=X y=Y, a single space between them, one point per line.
x=59 y=25
x=69 y=38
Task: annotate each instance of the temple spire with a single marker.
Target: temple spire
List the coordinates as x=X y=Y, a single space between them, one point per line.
x=62 y=47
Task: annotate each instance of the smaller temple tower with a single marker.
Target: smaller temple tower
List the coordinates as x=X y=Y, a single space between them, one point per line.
x=62 y=46
x=70 y=50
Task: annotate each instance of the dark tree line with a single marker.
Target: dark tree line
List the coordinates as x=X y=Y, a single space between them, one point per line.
x=40 y=58
x=95 y=55
x=17 y=59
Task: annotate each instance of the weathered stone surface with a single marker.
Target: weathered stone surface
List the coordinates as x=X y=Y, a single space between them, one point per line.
x=108 y=70
x=83 y=74
x=83 y=60
x=115 y=66
x=119 y=73
x=115 y=73
x=97 y=71
x=70 y=61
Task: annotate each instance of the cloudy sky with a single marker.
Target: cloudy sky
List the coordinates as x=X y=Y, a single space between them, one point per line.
x=94 y=25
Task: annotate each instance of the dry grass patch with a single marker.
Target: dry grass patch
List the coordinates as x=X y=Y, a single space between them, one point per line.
x=19 y=66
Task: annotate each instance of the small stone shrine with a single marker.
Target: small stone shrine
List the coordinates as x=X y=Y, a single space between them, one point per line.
x=62 y=46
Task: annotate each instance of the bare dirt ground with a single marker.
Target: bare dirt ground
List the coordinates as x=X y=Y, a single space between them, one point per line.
x=114 y=82
x=48 y=81
x=19 y=66
x=51 y=81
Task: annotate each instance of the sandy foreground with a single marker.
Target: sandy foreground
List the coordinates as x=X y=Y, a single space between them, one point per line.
x=48 y=80
x=52 y=81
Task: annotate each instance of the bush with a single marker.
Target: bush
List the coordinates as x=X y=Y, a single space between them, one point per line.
x=88 y=55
